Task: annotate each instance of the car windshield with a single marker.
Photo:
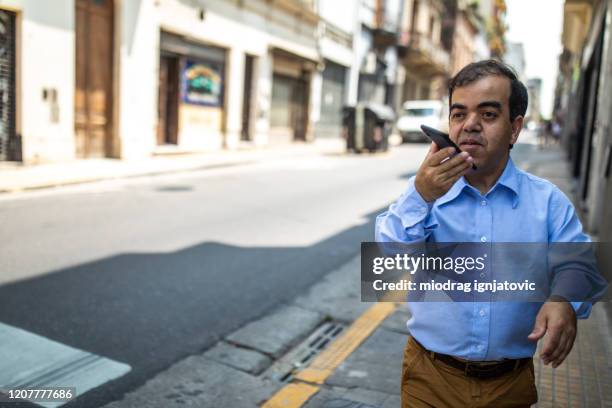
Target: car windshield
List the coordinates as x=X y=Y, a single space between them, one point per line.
x=420 y=111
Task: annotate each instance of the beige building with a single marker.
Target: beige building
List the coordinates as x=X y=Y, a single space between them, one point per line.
x=493 y=13
x=577 y=16
x=583 y=102
x=158 y=76
x=464 y=33
x=425 y=62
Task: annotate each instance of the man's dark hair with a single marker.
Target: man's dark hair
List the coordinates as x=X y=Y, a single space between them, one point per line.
x=477 y=70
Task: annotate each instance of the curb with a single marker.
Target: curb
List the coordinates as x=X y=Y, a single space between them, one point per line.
x=96 y=179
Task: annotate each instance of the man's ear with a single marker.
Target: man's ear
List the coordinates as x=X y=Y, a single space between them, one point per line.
x=517 y=126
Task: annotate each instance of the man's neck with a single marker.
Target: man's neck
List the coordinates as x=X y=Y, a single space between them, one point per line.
x=485 y=180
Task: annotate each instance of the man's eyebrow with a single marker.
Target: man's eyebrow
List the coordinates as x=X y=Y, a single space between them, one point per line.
x=457 y=106
x=490 y=104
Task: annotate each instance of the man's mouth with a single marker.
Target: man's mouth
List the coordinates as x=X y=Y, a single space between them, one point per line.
x=470 y=142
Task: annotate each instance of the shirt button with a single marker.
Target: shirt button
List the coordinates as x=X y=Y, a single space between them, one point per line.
x=482 y=275
x=483 y=239
x=479 y=347
x=483 y=203
x=482 y=312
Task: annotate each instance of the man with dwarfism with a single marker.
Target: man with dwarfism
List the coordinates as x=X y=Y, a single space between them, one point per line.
x=480 y=354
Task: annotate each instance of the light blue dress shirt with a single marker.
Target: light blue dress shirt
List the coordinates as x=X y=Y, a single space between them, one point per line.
x=519 y=208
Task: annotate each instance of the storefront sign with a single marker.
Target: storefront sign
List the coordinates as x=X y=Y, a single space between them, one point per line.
x=202 y=83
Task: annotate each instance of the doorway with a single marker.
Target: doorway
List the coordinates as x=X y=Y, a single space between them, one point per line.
x=167 y=109
x=247 y=98
x=94 y=78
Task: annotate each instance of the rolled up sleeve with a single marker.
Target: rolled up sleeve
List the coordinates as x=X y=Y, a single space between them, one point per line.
x=580 y=270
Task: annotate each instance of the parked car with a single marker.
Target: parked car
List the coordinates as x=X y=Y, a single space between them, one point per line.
x=416 y=113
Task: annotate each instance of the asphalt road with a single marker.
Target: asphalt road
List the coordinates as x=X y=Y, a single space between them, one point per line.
x=148 y=271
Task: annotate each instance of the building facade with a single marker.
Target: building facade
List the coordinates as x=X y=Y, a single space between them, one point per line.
x=461 y=29
x=583 y=102
x=534 y=92
x=425 y=60
x=129 y=79
x=337 y=27
x=515 y=57
x=157 y=76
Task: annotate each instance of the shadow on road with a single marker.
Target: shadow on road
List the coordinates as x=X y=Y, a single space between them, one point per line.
x=150 y=310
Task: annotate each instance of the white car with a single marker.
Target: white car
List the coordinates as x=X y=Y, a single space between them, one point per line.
x=417 y=113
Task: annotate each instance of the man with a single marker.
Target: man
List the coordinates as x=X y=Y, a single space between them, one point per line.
x=479 y=354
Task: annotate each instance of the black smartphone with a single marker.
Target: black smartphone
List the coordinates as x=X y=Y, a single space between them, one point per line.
x=441 y=139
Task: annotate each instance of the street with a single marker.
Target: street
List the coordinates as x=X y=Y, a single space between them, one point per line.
x=186 y=187
x=150 y=270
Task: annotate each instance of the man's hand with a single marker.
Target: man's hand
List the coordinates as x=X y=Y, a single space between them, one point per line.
x=434 y=178
x=557 y=320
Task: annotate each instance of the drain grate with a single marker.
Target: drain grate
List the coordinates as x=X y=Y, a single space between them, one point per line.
x=287 y=367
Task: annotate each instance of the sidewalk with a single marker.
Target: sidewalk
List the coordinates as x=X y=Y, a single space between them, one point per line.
x=17 y=177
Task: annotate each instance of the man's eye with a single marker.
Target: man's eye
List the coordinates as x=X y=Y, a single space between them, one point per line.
x=489 y=115
x=457 y=115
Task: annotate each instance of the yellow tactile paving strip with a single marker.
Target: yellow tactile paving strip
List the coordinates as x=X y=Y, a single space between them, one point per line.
x=292 y=395
x=306 y=382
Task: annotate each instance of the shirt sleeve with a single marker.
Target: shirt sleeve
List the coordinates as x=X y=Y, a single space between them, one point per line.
x=404 y=220
x=564 y=228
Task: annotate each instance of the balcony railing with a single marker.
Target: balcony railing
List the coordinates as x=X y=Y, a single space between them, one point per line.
x=423 y=45
x=385 y=27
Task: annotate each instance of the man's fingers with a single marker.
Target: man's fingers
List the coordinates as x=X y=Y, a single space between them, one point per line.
x=551 y=342
x=568 y=349
x=448 y=183
x=539 y=329
x=557 y=349
x=433 y=148
x=565 y=350
x=455 y=161
x=556 y=358
x=569 y=344
x=437 y=157
x=459 y=170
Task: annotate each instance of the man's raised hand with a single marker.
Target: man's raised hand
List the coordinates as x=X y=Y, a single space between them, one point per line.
x=438 y=173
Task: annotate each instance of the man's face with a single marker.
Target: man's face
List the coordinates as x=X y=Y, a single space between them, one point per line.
x=479 y=121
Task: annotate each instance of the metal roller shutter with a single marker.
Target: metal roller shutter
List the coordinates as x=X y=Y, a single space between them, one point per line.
x=10 y=146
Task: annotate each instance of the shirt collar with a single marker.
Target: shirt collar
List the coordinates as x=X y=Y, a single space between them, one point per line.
x=509 y=179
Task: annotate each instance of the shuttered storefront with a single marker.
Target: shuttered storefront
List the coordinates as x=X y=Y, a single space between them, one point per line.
x=10 y=144
x=290 y=97
x=332 y=100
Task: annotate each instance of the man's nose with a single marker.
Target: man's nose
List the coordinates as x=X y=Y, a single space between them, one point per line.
x=472 y=123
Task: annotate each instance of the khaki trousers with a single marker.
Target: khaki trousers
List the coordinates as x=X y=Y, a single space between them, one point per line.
x=428 y=383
